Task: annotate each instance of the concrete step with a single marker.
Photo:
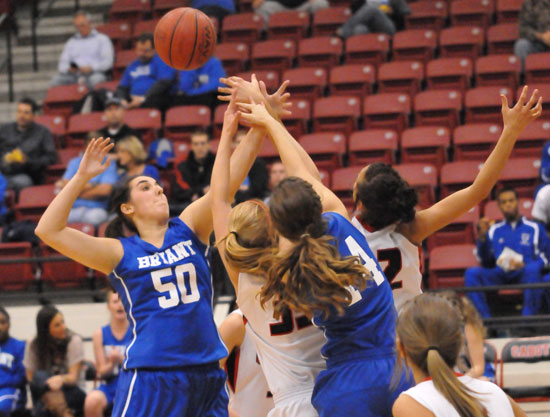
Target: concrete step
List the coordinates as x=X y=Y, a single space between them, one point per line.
x=67 y=7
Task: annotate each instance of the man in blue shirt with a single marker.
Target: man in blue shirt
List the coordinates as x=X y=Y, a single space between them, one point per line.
x=512 y=250
x=147 y=81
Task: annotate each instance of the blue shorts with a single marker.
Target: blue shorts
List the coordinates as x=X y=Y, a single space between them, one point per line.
x=109 y=390
x=9 y=400
x=359 y=388
x=197 y=391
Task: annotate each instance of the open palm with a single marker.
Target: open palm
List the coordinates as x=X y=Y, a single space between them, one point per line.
x=94 y=161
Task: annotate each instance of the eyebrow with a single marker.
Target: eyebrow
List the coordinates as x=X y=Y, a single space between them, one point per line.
x=147 y=182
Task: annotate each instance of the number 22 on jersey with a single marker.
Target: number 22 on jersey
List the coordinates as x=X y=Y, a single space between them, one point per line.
x=173 y=299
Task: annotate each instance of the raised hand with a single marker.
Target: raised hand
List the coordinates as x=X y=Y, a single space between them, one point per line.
x=278 y=101
x=255 y=114
x=519 y=116
x=95 y=161
x=231 y=117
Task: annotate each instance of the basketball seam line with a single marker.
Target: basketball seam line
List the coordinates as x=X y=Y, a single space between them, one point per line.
x=173 y=33
x=195 y=42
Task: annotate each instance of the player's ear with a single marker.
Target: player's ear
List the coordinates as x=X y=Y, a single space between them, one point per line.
x=126 y=209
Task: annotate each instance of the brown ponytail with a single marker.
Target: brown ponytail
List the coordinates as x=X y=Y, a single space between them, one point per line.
x=121 y=225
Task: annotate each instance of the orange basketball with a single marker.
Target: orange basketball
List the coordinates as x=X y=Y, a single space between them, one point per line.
x=185 y=38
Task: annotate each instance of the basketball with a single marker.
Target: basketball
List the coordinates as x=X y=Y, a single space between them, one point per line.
x=185 y=38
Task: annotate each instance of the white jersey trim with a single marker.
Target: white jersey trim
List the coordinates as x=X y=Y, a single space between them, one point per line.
x=129 y=397
x=131 y=317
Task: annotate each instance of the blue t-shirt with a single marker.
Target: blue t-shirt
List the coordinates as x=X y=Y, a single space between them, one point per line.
x=110 y=342
x=139 y=77
x=3 y=186
x=205 y=79
x=167 y=294
x=12 y=371
x=109 y=176
x=367 y=327
x=149 y=171
x=228 y=5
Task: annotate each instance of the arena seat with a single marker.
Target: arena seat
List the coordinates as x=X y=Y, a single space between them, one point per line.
x=387 y=111
x=521 y=174
x=458 y=175
x=352 y=80
x=373 y=145
x=414 y=45
x=233 y=55
x=161 y=7
x=498 y=70
x=492 y=211
x=130 y=11
x=438 y=108
x=288 y=25
x=120 y=34
x=425 y=144
x=17 y=275
x=297 y=122
x=56 y=124
x=122 y=60
x=461 y=41
x=326 y=21
x=217 y=123
x=242 y=27
x=537 y=68
x=449 y=73
x=423 y=178
x=33 y=201
x=483 y=104
x=61 y=99
x=107 y=85
x=532 y=139
x=55 y=171
x=80 y=125
x=146 y=121
x=268 y=152
x=275 y=55
x=372 y=48
x=323 y=51
x=507 y=11
x=400 y=77
x=336 y=114
x=448 y=264
x=306 y=83
x=501 y=38
x=325 y=148
x=426 y=15
x=182 y=121
x=460 y=230
x=144 y=26
x=475 y=141
x=471 y=13
x=342 y=183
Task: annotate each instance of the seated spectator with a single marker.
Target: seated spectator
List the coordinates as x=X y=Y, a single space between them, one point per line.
x=26 y=148
x=192 y=179
x=109 y=343
x=148 y=81
x=255 y=185
x=87 y=57
x=13 y=390
x=216 y=8
x=541 y=207
x=116 y=129
x=131 y=157
x=277 y=173
x=374 y=16
x=266 y=8
x=53 y=362
x=514 y=250
x=92 y=205
x=200 y=86
x=3 y=208
x=534 y=29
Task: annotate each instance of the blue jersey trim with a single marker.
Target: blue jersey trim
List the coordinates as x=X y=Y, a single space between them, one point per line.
x=131 y=317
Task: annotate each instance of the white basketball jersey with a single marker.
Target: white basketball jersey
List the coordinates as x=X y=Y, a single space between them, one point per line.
x=249 y=394
x=490 y=395
x=289 y=349
x=399 y=258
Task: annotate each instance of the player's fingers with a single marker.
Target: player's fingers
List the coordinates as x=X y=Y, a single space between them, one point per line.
x=224 y=98
x=522 y=96
x=504 y=101
x=282 y=88
x=533 y=99
x=263 y=88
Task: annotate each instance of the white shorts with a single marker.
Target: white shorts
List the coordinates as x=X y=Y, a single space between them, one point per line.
x=298 y=405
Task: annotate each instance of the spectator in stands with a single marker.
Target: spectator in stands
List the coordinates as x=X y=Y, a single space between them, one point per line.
x=87 y=57
x=277 y=173
x=266 y=8
x=53 y=362
x=512 y=250
x=109 y=344
x=374 y=16
x=534 y=29
x=3 y=208
x=541 y=207
x=216 y=8
x=192 y=179
x=13 y=391
x=147 y=81
x=255 y=185
x=200 y=86
x=131 y=156
x=116 y=129
x=92 y=205
x=26 y=148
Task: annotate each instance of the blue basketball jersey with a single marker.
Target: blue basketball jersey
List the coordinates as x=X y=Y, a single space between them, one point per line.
x=167 y=294
x=110 y=342
x=367 y=326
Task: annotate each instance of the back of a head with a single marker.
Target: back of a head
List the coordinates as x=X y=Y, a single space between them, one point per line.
x=385 y=196
x=429 y=329
x=468 y=313
x=134 y=147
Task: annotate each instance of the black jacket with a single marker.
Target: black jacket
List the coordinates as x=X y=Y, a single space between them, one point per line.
x=191 y=177
x=259 y=183
x=124 y=131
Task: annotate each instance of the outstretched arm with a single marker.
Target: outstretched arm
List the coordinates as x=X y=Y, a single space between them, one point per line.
x=442 y=213
x=102 y=254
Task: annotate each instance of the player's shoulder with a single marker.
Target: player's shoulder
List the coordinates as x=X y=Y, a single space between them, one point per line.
x=405 y=406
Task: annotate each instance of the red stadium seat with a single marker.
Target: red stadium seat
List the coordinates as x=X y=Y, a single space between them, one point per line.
x=234 y=56
x=387 y=111
x=471 y=13
x=297 y=122
x=498 y=70
x=323 y=51
x=145 y=26
x=288 y=25
x=426 y=144
x=448 y=264
x=342 y=183
x=501 y=38
x=544 y=91
x=306 y=83
x=243 y=27
x=483 y=104
x=336 y=114
x=120 y=34
x=275 y=55
x=326 y=149
x=521 y=174
x=218 y=120
x=80 y=126
x=55 y=171
x=400 y=77
x=372 y=48
x=61 y=99
x=326 y=21
x=145 y=121
x=352 y=80
x=461 y=41
x=19 y=275
x=460 y=230
x=532 y=139
x=56 y=124
x=426 y=15
x=373 y=145
x=492 y=211
x=423 y=178
x=475 y=141
x=414 y=45
x=130 y=11
x=458 y=175
x=270 y=78
x=161 y=7
x=537 y=68
x=64 y=274
x=268 y=152
x=245 y=6
x=33 y=201
x=107 y=85
x=508 y=10
x=438 y=108
x=449 y=73
x=182 y=121
x=122 y=60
